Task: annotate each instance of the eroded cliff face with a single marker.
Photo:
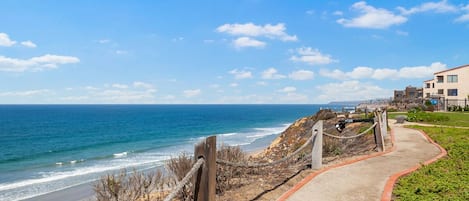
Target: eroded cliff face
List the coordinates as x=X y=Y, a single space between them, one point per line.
x=300 y=131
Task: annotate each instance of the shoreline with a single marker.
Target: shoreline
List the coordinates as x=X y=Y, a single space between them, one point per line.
x=85 y=192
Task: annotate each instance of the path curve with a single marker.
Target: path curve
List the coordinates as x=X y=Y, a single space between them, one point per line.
x=366 y=179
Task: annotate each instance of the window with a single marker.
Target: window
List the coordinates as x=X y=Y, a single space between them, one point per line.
x=439 y=79
x=440 y=91
x=433 y=85
x=452 y=78
x=428 y=85
x=452 y=92
x=427 y=95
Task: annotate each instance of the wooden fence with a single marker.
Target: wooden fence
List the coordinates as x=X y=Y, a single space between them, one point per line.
x=203 y=173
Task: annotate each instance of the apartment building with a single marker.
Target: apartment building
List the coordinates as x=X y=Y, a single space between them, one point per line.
x=410 y=94
x=450 y=85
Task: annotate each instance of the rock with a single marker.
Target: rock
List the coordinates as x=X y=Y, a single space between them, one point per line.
x=400 y=119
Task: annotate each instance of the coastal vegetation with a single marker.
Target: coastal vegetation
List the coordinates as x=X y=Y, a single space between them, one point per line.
x=447 y=178
x=242 y=183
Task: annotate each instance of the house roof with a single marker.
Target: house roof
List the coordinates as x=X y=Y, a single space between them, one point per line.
x=428 y=80
x=464 y=66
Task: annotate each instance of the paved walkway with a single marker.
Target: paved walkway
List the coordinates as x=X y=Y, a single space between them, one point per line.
x=365 y=180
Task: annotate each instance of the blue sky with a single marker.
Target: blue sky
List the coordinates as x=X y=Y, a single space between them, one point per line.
x=224 y=51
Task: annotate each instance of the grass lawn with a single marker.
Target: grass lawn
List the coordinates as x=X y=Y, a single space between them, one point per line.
x=454 y=118
x=447 y=178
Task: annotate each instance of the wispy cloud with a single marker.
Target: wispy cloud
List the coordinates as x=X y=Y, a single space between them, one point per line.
x=312 y=56
x=241 y=74
x=40 y=63
x=271 y=74
x=26 y=93
x=301 y=75
x=249 y=29
x=437 y=7
x=191 y=92
x=288 y=89
x=371 y=17
x=362 y=72
x=29 y=44
x=248 y=42
x=464 y=17
x=350 y=90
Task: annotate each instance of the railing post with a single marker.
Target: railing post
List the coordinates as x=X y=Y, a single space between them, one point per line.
x=378 y=136
x=384 y=123
x=316 y=155
x=204 y=183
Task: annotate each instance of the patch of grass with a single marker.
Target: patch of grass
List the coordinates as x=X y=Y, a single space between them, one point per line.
x=440 y=118
x=446 y=179
x=392 y=115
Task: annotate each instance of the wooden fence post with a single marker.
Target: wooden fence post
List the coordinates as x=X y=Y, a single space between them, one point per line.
x=377 y=131
x=316 y=155
x=384 y=125
x=204 y=183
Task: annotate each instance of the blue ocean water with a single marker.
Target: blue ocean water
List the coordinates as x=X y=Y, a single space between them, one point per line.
x=46 y=148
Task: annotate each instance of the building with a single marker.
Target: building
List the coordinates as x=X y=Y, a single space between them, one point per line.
x=410 y=95
x=450 y=86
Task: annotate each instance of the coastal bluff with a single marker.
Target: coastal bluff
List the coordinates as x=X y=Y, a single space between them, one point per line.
x=300 y=131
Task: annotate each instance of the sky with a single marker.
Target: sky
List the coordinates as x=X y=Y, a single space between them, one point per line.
x=224 y=52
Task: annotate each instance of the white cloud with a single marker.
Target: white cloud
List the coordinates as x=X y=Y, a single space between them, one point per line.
x=351 y=90
x=249 y=29
x=241 y=74
x=402 y=33
x=138 y=84
x=310 y=12
x=294 y=98
x=40 y=63
x=124 y=96
x=385 y=73
x=191 y=92
x=437 y=7
x=120 y=86
x=406 y=72
x=261 y=83
x=464 y=17
x=360 y=72
x=338 y=13
x=26 y=93
x=421 y=71
x=234 y=84
x=5 y=40
x=312 y=56
x=371 y=17
x=248 y=42
x=29 y=44
x=271 y=74
x=301 y=75
x=287 y=89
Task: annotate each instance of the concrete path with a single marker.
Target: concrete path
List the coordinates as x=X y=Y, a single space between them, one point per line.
x=365 y=180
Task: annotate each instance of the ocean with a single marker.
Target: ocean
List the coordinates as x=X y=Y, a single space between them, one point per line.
x=46 y=148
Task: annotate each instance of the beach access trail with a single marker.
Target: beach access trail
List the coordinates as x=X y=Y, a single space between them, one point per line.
x=366 y=179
